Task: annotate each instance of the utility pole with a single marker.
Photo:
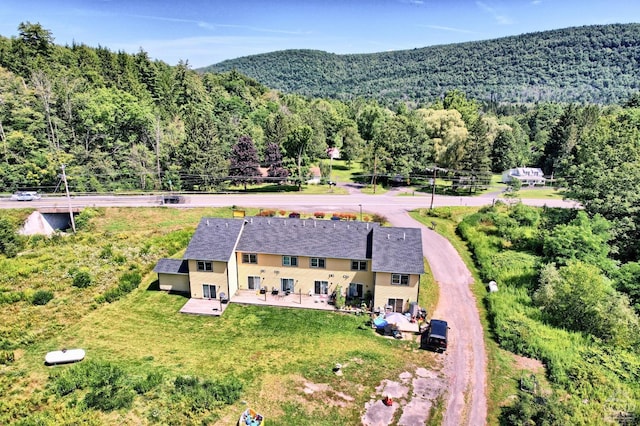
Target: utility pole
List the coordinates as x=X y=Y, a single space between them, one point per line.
x=66 y=188
x=433 y=187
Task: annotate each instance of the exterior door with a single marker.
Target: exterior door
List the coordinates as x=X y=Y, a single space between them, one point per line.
x=397 y=305
x=321 y=287
x=286 y=284
x=253 y=283
x=355 y=290
x=208 y=291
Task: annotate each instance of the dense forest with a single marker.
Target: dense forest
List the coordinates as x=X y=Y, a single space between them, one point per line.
x=594 y=64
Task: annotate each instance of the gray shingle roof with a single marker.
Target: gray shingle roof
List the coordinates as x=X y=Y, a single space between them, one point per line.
x=172 y=266
x=307 y=237
x=214 y=239
x=397 y=250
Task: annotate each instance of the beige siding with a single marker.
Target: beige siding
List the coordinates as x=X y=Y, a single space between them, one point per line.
x=218 y=278
x=384 y=290
x=174 y=282
x=270 y=269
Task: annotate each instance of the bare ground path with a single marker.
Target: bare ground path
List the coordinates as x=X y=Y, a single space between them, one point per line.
x=466 y=360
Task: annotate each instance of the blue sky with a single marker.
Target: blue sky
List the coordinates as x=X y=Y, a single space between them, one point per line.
x=206 y=32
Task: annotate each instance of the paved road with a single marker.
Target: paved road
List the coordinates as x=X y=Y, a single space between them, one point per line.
x=466 y=362
x=382 y=204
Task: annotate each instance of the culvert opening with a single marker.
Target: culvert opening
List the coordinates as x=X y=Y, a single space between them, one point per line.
x=46 y=223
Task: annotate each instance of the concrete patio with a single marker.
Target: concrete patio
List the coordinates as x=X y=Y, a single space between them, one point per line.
x=249 y=297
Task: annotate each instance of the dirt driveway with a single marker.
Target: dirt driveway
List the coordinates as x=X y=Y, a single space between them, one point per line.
x=466 y=361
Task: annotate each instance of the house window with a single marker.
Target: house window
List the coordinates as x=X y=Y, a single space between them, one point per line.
x=317 y=262
x=253 y=283
x=358 y=265
x=286 y=284
x=396 y=305
x=204 y=266
x=321 y=287
x=399 y=279
x=249 y=258
x=289 y=260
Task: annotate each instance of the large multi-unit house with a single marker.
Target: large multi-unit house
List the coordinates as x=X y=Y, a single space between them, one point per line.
x=364 y=260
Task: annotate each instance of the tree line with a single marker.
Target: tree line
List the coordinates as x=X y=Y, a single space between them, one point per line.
x=594 y=64
x=120 y=121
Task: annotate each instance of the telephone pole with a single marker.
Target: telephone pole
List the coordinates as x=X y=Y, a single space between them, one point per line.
x=66 y=188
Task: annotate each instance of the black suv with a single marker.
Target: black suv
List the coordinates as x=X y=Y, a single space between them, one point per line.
x=435 y=338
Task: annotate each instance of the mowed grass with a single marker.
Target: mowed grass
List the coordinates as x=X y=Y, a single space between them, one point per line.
x=273 y=352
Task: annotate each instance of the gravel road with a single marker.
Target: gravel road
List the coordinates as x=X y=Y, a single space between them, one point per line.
x=466 y=360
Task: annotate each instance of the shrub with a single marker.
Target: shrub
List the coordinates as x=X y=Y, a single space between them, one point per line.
x=7 y=357
x=11 y=297
x=377 y=218
x=152 y=380
x=208 y=394
x=84 y=218
x=107 y=386
x=107 y=252
x=41 y=297
x=81 y=279
x=10 y=242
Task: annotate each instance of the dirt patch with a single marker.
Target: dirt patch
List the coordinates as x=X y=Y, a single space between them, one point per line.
x=327 y=394
x=530 y=364
x=413 y=395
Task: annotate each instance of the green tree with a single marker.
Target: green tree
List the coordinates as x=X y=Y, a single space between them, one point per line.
x=296 y=146
x=578 y=297
x=582 y=239
x=448 y=133
x=605 y=175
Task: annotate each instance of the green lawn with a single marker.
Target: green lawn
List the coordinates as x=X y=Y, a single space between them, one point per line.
x=265 y=349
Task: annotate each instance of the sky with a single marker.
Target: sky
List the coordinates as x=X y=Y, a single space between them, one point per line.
x=203 y=32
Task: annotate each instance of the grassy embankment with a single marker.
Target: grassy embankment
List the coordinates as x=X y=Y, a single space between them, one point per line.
x=503 y=371
x=141 y=339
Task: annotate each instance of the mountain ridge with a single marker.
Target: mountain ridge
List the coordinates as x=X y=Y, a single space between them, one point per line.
x=596 y=64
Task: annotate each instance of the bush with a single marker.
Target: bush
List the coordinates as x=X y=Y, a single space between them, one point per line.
x=81 y=279
x=7 y=357
x=41 y=297
x=107 y=386
x=151 y=381
x=84 y=218
x=208 y=394
x=10 y=242
x=377 y=218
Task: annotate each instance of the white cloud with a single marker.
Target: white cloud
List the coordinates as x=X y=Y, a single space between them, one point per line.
x=500 y=17
x=213 y=26
x=451 y=29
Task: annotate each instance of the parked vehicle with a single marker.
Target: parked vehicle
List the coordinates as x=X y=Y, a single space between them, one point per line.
x=435 y=338
x=26 y=196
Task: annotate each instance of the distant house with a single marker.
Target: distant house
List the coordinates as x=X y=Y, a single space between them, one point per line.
x=314 y=175
x=304 y=256
x=526 y=175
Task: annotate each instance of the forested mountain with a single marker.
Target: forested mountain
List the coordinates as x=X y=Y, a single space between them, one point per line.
x=595 y=64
